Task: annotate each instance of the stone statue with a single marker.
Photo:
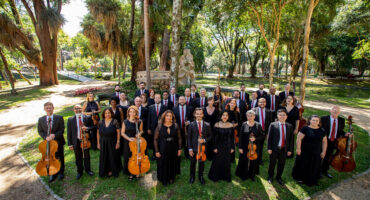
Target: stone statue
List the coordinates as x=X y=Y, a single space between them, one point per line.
x=186 y=70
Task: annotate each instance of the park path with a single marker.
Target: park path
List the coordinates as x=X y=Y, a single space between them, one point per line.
x=17 y=180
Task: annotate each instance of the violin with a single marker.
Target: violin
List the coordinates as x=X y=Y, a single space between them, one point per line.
x=95 y=117
x=343 y=160
x=48 y=164
x=252 y=154
x=236 y=137
x=201 y=155
x=139 y=162
x=85 y=143
x=302 y=120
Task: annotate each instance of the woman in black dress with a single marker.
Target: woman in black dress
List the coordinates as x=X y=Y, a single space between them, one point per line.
x=129 y=132
x=144 y=100
x=217 y=95
x=108 y=143
x=92 y=108
x=123 y=101
x=167 y=146
x=117 y=111
x=293 y=114
x=151 y=97
x=235 y=119
x=249 y=168
x=223 y=147
x=211 y=115
x=311 y=148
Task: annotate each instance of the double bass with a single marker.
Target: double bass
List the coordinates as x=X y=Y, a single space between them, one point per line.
x=343 y=160
x=139 y=162
x=48 y=164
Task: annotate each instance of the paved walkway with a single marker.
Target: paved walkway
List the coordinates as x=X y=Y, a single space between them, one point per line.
x=75 y=76
x=16 y=178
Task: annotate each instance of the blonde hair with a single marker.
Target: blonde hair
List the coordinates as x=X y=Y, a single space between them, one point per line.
x=135 y=109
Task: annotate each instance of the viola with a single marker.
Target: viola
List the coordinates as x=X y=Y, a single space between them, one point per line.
x=139 y=162
x=252 y=154
x=48 y=164
x=343 y=160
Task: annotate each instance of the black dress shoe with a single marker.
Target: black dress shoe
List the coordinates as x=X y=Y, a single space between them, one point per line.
x=52 y=178
x=280 y=181
x=270 y=180
x=328 y=175
x=60 y=177
x=78 y=176
x=90 y=173
x=191 y=180
x=201 y=180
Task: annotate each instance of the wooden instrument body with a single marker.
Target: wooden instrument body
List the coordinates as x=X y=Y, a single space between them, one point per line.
x=139 y=162
x=85 y=143
x=201 y=154
x=236 y=136
x=252 y=154
x=95 y=117
x=48 y=165
x=343 y=160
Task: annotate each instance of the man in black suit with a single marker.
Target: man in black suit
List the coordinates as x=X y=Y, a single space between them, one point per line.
x=51 y=127
x=188 y=100
x=166 y=101
x=117 y=91
x=273 y=102
x=194 y=94
x=154 y=114
x=201 y=102
x=74 y=136
x=240 y=104
x=254 y=102
x=279 y=145
x=261 y=92
x=264 y=117
x=183 y=114
x=333 y=126
x=199 y=132
x=285 y=93
x=142 y=90
x=244 y=96
x=174 y=97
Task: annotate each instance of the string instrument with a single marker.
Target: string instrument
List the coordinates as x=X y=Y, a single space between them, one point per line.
x=236 y=135
x=139 y=162
x=48 y=164
x=343 y=160
x=302 y=121
x=95 y=117
x=85 y=143
x=201 y=155
x=252 y=154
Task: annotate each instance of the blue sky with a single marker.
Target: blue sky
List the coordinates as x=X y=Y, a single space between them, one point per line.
x=73 y=13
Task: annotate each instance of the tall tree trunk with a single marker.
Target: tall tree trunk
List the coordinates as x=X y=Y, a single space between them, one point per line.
x=7 y=71
x=262 y=65
x=277 y=64
x=147 y=47
x=306 y=50
x=165 y=47
x=114 y=68
x=175 y=47
x=21 y=75
x=286 y=63
x=5 y=77
x=124 y=68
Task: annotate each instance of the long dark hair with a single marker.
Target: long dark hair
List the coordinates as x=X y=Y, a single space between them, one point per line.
x=111 y=112
x=163 y=117
x=313 y=116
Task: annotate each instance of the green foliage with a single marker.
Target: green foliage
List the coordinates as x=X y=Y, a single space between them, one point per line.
x=78 y=64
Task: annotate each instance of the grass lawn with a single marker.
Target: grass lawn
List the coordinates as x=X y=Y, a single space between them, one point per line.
x=121 y=187
x=354 y=97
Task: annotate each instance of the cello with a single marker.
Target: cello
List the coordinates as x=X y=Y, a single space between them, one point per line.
x=343 y=160
x=48 y=164
x=139 y=162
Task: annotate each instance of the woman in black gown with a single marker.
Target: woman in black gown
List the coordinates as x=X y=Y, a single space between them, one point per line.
x=211 y=115
x=144 y=100
x=234 y=118
x=108 y=144
x=167 y=146
x=129 y=132
x=293 y=114
x=223 y=147
x=117 y=111
x=311 y=148
x=92 y=108
x=151 y=97
x=249 y=168
x=217 y=95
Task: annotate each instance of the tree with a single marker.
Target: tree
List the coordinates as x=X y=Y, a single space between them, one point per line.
x=147 y=43
x=7 y=71
x=175 y=47
x=269 y=15
x=46 y=20
x=306 y=51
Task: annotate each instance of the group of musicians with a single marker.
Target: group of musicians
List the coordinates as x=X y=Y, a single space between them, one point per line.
x=173 y=123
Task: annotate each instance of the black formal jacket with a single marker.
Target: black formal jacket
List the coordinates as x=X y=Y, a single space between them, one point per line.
x=196 y=95
x=152 y=116
x=72 y=128
x=282 y=95
x=138 y=93
x=274 y=137
x=115 y=95
x=191 y=102
x=57 y=128
x=196 y=103
x=188 y=114
x=246 y=96
x=193 y=134
x=176 y=97
x=144 y=117
x=268 y=118
x=264 y=94
x=325 y=124
x=277 y=102
x=250 y=104
x=169 y=104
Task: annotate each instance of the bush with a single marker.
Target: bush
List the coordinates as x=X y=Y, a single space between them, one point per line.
x=107 y=77
x=129 y=87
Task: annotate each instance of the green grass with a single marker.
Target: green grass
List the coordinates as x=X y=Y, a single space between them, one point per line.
x=121 y=187
x=353 y=97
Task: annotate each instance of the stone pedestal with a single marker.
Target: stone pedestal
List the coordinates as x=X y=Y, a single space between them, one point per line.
x=159 y=79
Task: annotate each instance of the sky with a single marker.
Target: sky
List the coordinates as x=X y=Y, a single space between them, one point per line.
x=73 y=13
